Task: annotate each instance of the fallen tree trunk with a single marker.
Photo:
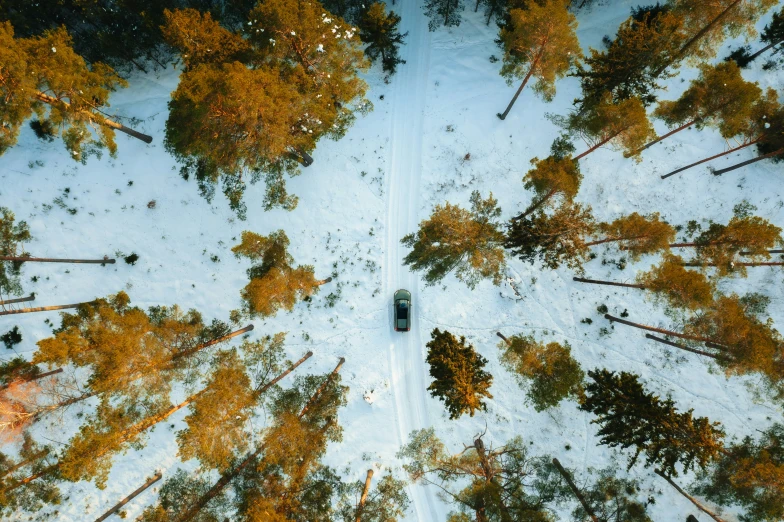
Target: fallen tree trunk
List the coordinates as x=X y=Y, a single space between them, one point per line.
x=608 y=283
x=43 y=309
x=691 y=499
x=34 y=377
x=104 y=261
x=568 y=478
x=155 y=478
x=30 y=297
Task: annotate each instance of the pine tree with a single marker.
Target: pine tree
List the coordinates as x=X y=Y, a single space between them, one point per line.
x=636 y=234
x=11 y=235
x=31 y=459
x=540 y=42
x=463 y=241
x=387 y=502
x=274 y=283
x=613 y=499
x=42 y=75
x=622 y=125
x=177 y=493
x=719 y=98
x=548 y=370
x=551 y=177
x=492 y=484
x=750 y=473
x=458 y=372
x=552 y=239
x=707 y=23
x=282 y=61
x=631 y=417
x=678 y=287
x=446 y=12
x=772 y=35
x=720 y=245
x=379 y=30
x=629 y=68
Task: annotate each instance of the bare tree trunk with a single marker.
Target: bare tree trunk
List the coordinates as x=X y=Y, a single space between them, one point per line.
x=748 y=162
x=608 y=283
x=277 y=379
x=537 y=204
x=35 y=377
x=97 y=119
x=229 y=476
x=43 y=309
x=746 y=253
x=681 y=346
x=702 y=32
x=687 y=167
x=324 y=281
x=24 y=463
x=104 y=261
x=573 y=487
x=594 y=148
x=186 y=353
x=657 y=140
x=692 y=499
x=476 y=8
x=155 y=478
x=507 y=341
x=369 y=477
x=30 y=297
x=755 y=55
x=613 y=319
x=519 y=90
x=766 y=263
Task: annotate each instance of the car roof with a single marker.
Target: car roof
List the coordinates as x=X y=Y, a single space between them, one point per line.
x=402 y=294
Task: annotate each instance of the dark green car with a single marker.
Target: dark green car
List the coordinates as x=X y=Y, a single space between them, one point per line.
x=402 y=311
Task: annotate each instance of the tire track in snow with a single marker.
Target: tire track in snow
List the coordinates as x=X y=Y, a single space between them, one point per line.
x=406 y=358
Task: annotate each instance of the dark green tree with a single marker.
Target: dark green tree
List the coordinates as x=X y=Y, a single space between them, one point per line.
x=12 y=234
x=379 y=30
x=460 y=380
x=613 y=499
x=31 y=459
x=631 y=417
x=385 y=503
x=443 y=12
x=454 y=239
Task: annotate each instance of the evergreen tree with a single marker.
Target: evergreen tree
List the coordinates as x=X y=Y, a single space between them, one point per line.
x=274 y=283
x=636 y=234
x=540 y=42
x=773 y=34
x=177 y=493
x=463 y=241
x=552 y=177
x=458 y=372
x=284 y=61
x=750 y=473
x=492 y=484
x=629 y=68
x=631 y=417
x=613 y=499
x=720 y=245
x=548 y=370
x=719 y=98
x=386 y=503
x=446 y=12
x=11 y=235
x=707 y=23
x=494 y=8
x=623 y=125
x=32 y=458
x=379 y=30
x=746 y=343
x=42 y=75
x=553 y=239
x=678 y=287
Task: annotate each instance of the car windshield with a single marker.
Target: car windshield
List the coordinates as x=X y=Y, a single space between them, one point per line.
x=402 y=311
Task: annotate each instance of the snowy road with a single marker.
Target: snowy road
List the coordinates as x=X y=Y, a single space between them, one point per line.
x=406 y=354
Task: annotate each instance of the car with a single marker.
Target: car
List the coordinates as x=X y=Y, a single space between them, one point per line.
x=402 y=310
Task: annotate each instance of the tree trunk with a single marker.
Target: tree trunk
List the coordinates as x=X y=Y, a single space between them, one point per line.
x=490 y=14
x=507 y=341
x=369 y=477
x=519 y=90
x=573 y=487
x=43 y=309
x=699 y=35
x=130 y=497
x=31 y=297
x=489 y=475
x=186 y=353
x=538 y=204
x=609 y=283
x=277 y=379
x=476 y=8
x=34 y=378
x=692 y=499
x=446 y=15
x=749 y=162
x=24 y=463
x=594 y=148
x=104 y=261
x=613 y=319
x=754 y=56
x=746 y=253
x=97 y=119
x=767 y=263
x=324 y=281
x=657 y=140
x=682 y=347
x=687 y=167
x=230 y=475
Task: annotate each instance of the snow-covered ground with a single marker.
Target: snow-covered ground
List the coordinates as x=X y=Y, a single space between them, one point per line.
x=358 y=199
